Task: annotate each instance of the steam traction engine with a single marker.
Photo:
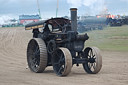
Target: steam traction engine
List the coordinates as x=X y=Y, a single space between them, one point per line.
x=57 y=43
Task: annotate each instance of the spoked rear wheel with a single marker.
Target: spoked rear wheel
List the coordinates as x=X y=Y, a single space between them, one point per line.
x=37 y=55
x=94 y=62
x=62 y=61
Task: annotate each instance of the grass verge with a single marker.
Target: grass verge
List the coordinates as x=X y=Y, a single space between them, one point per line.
x=110 y=39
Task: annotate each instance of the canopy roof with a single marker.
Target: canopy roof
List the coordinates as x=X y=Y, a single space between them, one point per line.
x=53 y=21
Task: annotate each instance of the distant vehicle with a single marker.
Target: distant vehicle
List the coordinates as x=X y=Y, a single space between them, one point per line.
x=115 y=22
x=124 y=20
x=91 y=23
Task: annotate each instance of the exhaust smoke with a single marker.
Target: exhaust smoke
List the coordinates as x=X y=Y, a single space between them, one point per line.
x=94 y=6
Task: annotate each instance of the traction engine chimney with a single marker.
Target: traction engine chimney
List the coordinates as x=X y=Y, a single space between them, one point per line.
x=73 y=19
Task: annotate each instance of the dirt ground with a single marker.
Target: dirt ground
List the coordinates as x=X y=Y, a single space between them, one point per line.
x=13 y=43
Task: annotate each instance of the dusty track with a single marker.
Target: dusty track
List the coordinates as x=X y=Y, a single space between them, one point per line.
x=13 y=43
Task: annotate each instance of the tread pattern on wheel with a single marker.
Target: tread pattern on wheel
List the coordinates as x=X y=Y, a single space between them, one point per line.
x=43 y=55
x=98 y=60
x=68 y=61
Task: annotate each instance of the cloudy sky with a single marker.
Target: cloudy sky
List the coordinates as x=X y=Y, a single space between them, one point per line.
x=14 y=8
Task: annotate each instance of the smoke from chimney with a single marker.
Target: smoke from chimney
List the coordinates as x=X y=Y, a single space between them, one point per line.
x=94 y=6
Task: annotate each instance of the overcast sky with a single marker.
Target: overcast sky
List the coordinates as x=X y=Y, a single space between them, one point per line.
x=14 y=8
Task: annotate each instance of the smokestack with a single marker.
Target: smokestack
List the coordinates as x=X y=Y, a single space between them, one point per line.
x=73 y=19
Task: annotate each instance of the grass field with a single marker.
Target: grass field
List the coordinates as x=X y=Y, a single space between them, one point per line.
x=110 y=39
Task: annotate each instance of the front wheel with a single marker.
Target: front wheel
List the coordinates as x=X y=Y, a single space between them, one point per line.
x=94 y=60
x=62 y=61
